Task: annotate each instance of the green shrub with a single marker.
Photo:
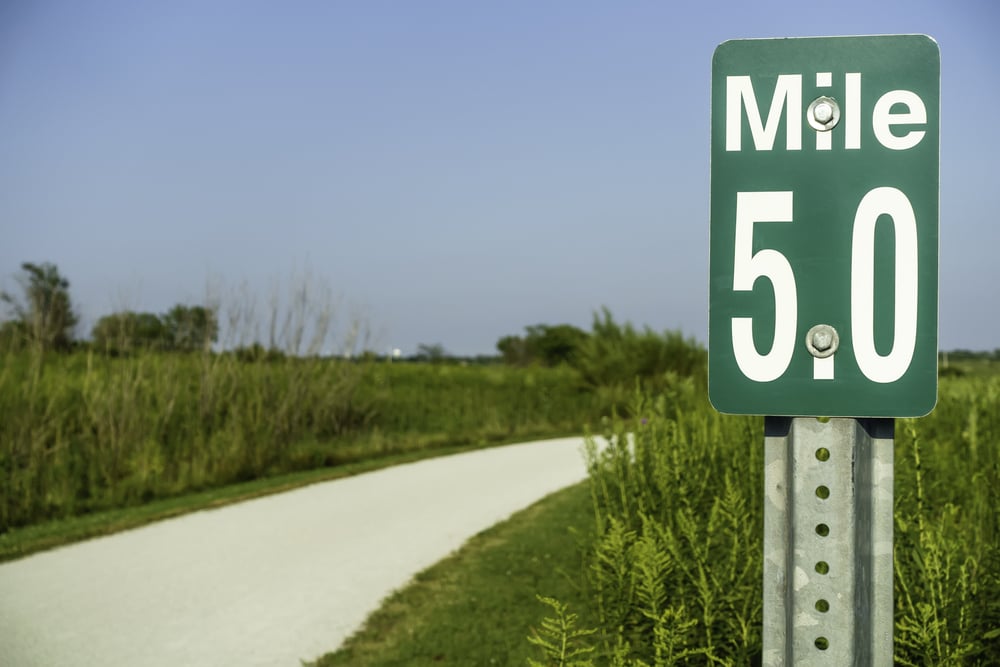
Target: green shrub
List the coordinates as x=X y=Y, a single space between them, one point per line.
x=617 y=355
x=676 y=567
x=675 y=571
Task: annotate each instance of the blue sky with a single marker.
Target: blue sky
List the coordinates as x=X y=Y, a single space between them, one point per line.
x=451 y=171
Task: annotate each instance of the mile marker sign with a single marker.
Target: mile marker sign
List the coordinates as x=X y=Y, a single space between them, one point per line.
x=823 y=298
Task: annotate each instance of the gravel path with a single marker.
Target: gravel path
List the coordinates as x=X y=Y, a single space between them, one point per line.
x=270 y=581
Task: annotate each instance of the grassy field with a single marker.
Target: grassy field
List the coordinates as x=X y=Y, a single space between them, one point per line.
x=27 y=540
x=85 y=432
x=669 y=570
x=675 y=572
x=114 y=436
x=477 y=606
x=666 y=569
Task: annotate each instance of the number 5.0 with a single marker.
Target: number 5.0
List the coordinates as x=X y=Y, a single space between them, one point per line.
x=767 y=207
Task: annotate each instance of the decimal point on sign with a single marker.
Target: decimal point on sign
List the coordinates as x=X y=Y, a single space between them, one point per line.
x=823 y=368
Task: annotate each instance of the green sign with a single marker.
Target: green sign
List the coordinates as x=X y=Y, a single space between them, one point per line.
x=823 y=296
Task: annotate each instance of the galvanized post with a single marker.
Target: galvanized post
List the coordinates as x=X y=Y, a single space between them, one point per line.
x=828 y=542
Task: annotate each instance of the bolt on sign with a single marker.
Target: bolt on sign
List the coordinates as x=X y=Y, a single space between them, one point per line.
x=823 y=297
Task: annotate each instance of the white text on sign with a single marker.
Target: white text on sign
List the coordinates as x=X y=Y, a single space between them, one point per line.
x=769 y=207
x=787 y=99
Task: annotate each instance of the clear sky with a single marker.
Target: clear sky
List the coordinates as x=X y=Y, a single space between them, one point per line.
x=452 y=171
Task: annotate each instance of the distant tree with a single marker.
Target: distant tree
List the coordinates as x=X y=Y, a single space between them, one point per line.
x=190 y=328
x=433 y=352
x=513 y=350
x=258 y=353
x=542 y=344
x=44 y=315
x=128 y=330
x=555 y=345
x=616 y=354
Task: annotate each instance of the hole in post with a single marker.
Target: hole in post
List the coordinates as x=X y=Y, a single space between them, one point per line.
x=823 y=492
x=823 y=567
x=823 y=454
x=822 y=643
x=822 y=529
x=822 y=606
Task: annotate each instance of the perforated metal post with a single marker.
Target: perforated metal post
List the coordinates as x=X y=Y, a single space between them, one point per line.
x=828 y=542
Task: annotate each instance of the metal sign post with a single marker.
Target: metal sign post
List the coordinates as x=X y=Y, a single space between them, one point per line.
x=823 y=301
x=828 y=541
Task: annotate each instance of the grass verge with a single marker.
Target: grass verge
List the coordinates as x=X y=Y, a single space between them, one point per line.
x=21 y=542
x=477 y=607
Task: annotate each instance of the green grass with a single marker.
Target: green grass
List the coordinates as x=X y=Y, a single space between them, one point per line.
x=92 y=430
x=478 y=606
x=84 y=432
x=21 y=542
x=670 y=571
x=666 y=571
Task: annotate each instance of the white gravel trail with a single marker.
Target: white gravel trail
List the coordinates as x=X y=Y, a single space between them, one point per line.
x=270 y=581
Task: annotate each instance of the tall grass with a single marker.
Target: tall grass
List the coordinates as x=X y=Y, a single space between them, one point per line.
x=129 y=419
x=947 y=552
x=88 y=431
x=675 y=571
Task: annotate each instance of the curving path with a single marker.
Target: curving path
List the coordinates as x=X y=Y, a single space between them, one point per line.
x=270 y=581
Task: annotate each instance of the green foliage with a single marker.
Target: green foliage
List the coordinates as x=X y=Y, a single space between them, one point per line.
x=44 y=315
x=190 y=328
x=614 y=355
x=542 y=344
x=432 y=352
x=963 y=355
x=488 y=401
x=182 y=328
x=513 y=351
x=86 y=431
x=475 y=607
x=258 y=352
x=14 y=335
x=947 y=553
x=560 y=639
x=127 y=330
x=613 y=358
x=675 y=569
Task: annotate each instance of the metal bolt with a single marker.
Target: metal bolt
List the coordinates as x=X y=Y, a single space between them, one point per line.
x=823 y=112
x=822 y=341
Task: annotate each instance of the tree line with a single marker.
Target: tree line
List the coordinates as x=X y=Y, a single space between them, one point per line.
x=610 y=354
x=43 y=316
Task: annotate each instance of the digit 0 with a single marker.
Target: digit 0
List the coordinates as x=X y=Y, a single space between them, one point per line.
x=892 y=366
